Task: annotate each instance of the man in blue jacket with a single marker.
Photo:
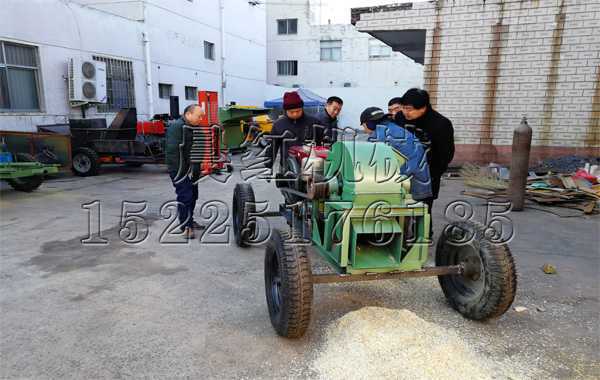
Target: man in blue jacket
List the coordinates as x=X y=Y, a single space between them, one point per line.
x=381 y=128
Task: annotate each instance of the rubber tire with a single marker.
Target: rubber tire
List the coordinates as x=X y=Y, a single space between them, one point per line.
x=498 y=277
x=243 y=204
x=290 y=316
x=94 y=159
x=26 y=184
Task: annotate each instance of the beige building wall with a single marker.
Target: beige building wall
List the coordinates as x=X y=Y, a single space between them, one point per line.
x=488 y=63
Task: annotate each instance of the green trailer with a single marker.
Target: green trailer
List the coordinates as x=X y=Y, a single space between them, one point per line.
x=23 y=173
x=235 y=120
x=352 y=205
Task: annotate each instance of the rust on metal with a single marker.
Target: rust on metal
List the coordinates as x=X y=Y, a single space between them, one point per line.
x=425 y=272
x=553 y=75
x=519 y=166
x=592 y=138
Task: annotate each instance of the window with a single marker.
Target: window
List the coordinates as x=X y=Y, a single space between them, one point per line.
x=19 y=77
x=378 y=49
x=331 y=50
x=191 y=93
x=287 y=26
x=164 y=90
x=287 y=67
x=209 y=50
x=120 y=92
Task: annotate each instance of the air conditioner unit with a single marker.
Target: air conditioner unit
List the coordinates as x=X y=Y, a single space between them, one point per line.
x=87 y=81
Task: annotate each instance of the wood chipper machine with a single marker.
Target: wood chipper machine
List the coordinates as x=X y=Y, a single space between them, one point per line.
x=352 y=205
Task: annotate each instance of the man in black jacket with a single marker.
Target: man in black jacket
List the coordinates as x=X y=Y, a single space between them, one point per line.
x=293 y=129
x=433 y=129
x=328 y=118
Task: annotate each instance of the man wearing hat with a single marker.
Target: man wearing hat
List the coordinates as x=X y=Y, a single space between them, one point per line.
x=381 y=128
x=294 y=128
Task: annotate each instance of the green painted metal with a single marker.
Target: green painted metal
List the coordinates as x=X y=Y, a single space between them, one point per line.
x=231 y=118
x=360 y=228
x=25 y=169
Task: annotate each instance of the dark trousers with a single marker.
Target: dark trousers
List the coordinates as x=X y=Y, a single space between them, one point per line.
x=435 y=189
x=187 y=195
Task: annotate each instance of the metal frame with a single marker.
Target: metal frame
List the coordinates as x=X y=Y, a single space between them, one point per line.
x=124 y=66
x=328 y=278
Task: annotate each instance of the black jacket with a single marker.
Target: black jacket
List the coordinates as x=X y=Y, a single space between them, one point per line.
x=435 y=129
x=292 y=133
x=329 y=124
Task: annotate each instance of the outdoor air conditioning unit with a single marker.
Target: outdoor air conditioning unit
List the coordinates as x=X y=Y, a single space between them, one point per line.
x=87 y=81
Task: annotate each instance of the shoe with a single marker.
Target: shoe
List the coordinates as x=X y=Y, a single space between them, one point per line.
x=188 y=233
x=197 y=226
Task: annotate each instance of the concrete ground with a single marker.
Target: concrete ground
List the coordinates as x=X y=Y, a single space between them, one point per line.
x=198 y=310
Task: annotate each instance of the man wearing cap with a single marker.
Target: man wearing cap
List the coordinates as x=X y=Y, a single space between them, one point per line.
x=381 y=128
x=433 y=129
x=294 y=128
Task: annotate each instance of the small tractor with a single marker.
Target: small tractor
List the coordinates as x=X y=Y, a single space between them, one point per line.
x=352 y=205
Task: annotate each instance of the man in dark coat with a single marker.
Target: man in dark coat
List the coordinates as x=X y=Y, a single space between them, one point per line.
x=294 y=128
x=433 y=129
x=177 y=158
x=328 y=118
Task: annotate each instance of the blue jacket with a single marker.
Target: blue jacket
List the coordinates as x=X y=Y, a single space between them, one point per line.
x=408 y=145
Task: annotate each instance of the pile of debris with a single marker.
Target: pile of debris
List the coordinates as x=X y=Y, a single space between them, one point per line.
x=578 y=190
x=564 y=164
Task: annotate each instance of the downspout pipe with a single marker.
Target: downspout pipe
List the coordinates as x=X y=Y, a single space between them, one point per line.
x=223 y=100
x=148 y=63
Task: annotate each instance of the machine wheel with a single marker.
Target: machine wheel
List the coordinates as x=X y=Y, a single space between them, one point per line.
x=488 y=286
x=85 y=162
x=288 y=285
x=243 y=205
x=26 y=184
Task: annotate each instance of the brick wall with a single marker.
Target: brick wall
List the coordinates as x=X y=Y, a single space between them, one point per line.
x=488 y=63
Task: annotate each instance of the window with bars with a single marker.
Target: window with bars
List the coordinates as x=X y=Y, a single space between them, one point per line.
x=120 y=92
x=287 y=26
x=331 y=50
x=191 y=93
x=19 y=77
x=287 y=68
x=164 y=90
x=209 y=50
x=378 y=49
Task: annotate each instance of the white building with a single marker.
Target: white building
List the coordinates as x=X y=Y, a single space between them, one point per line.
x=186 y=45
x=302 y=53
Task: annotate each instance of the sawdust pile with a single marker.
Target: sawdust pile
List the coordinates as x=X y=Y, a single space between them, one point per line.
x=379 y=343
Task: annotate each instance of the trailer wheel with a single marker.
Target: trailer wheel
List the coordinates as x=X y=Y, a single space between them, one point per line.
x=85 y=162
x=26 y=184
x=488 y=285
x=288 y=285
x=243 y=205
